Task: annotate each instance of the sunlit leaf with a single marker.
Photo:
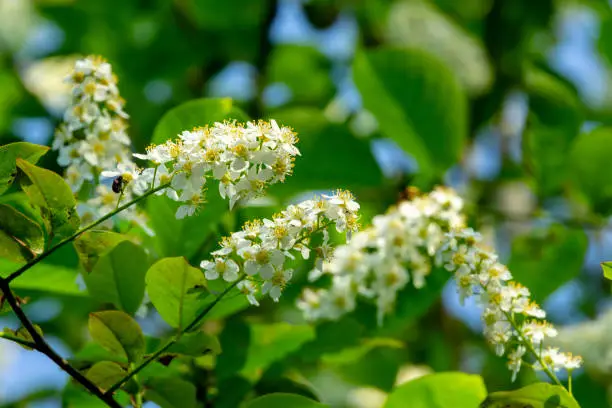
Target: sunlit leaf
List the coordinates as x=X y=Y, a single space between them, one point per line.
x=105 y=374
x=92 y=244
x=118 y=333
x=174 y=289
x=119 y=277
x=49 y=191
x=11 y=250
x=170 y=392
x=443 y=390
x=197 y=112
x=418 y=103
x=22 y=228
x=8 y=156
x=539 y=395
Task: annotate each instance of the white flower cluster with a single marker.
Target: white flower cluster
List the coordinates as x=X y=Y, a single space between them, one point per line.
x=258 y=254
x=376 y=262
x=92 y=141
x=243 y=158
x=93 y=136
x=513 y=323
x=406 y=244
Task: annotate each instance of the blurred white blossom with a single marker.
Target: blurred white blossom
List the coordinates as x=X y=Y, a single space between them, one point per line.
x=404 y=245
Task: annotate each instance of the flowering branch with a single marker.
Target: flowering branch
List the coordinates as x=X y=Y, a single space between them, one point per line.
x=407 y=243
x=263 y=247
x=71 y=238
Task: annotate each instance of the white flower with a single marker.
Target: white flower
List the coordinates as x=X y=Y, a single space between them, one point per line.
x=227 y=268
x=249 y=289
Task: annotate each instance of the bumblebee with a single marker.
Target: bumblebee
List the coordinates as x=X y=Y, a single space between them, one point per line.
x=118 y=185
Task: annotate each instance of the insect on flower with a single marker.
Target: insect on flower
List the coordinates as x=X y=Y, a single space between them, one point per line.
x=118 y=185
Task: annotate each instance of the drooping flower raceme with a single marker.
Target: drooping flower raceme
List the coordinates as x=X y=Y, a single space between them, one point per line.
x=245 y=159
x=259 y=253
x=93 y=143
x=404 y=245
x=92 y=137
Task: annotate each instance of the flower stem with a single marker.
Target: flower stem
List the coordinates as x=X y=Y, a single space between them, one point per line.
x=532 y=350
x=71 y=238
x=174 y=339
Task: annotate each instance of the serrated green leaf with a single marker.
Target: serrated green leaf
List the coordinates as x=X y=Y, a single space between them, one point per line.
x=24 y=229
x=442 y=390
x=539 y=395
x=118 y=333
x=8 y=156
x=170 y=283
x=105 y=374
x=92 y=244
x=50 y=192
x=418 y=103
x=197 y=112
x=119 y=277
x=536 y=257
x=282 y=400
x=170 y=392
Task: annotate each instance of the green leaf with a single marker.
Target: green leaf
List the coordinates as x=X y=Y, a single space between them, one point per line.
x=304 y=70
x=590 y=167
x=118 y=333
x=417 y=101
x=49 y=191
x=198 y=112
x=170 y=285
x=443 y=390
x=105 y=374
x=170 y=392
x=43 y=277
x=119 y=277
x=21 y=227
x=272 y=342
x=92 y=244
x=346 y=161
x=11 y=250
x=555 y=121
x=281 y=400
x=539 y=395
x=218 y=15
x=10 y=153
x=374 y=365
x=194 y=231
x=536 y=257
x=419 y=24
x=23 y=333
x=196 y=344
x=607 y=269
